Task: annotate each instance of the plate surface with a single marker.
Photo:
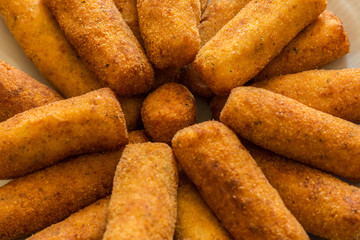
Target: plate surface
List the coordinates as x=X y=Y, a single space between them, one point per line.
x=346 y=10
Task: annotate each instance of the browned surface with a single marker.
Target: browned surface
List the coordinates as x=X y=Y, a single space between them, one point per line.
x=324 y=205
x=40 y=37
x=167 y=110
x=216 y=105
x=101 y=37
x=42 y=136
x=195 y=219
x=251 y=39
x=143 y=200
x=332 y=91
x=294 y=130
x=131 y=106
x=138 y=136
x=20 y=92
x=320 y=43
x=191 y=79
x=203 y=5
x=166 y=75
x=232 y=184
x=170 y=31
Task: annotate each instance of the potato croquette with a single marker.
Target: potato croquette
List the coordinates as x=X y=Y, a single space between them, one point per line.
x=251 y=40
x=194 y=218
x=289 y=128
x=324 y=205
x=20 y=92
x=232 y=184
x=203 y=5
x=131 y=106
x=166 y=75
x=168 y=109
x=170 y=31
x=143 y=200
x=40 y=37
x=98 y=32
x=319 y=44
x=44 y=135
x=331 y=91
x=40 y=199
x=216 y=105
x=87 y=224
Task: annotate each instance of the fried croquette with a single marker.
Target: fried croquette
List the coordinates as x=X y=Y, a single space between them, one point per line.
x=216 y=105
x=166 y=75
x=289 y=128
x=168 y=109
x=319 y=44
x=170 y=31
x=131 y=107
x=232 y=184
x=98 y=32
x=143 y=199
x=41 y=136
x=251 y=40
x=40 y=37
x=20 y=92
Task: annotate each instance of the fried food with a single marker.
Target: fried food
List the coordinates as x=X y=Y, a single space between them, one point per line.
x=195 y=220
x=166 y=75
x=131 y=106
x=291 y=129
x=101 y=37
x=87 y=224
x=324 y=205
x=251 y=39
x=332 y=91
x=138 y=136
x=203 y=5
x=31 y=203
x=216 y=105
x=168 y=109
x=232 y=184
x=40 y=37
x=319 y=44
x=44 y=135
x=20 y=92
x=143 y=200
x=170 y=31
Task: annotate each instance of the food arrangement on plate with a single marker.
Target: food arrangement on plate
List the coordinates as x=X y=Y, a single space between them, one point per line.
x=117 y=153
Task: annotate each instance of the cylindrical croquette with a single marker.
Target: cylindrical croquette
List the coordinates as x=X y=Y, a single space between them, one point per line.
x=232 y=184
x=319 y=44
x=40 y=37
x=143 y=199
x=44 y=135
x=98 y=32
x=251 y=39
x=292 y=129
x=87 y=224
x=131 y=107
x=170 y=31
x=31 y=203
x=332 y=91
x=324 y=205
x=168 y=109
x=20 y=92
x=166 y=75
x=216 y=105
x=195 y=220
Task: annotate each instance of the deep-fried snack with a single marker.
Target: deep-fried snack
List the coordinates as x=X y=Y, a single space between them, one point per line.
x=166 y=75
x=87 y=224
x=320 y=43
x=203 y=5
x=324 y=205
x=44 y=135
x=31 y=203
x=332 y=91
x=170 y=31
x=101 y=37
x=131 y=106
x=251 y=39
x=232 y=184
x=168 y=109
x=195 y=219
x=216 y=105
x=291 y=129
x=143 y=199
x=138 y=136
x=20 y=92
x=40 y=37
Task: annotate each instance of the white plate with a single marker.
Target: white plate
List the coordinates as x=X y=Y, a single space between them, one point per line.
x=346 y=10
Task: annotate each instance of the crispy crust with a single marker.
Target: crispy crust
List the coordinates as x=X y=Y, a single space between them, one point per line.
x=40 y=37
x=177 y=110
x=131 y=106
x=143 y=200
x=251 y=39
x=44 y=135
x=232 y=184
x=294 y=130
x=101 y=37
x=216 y=105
